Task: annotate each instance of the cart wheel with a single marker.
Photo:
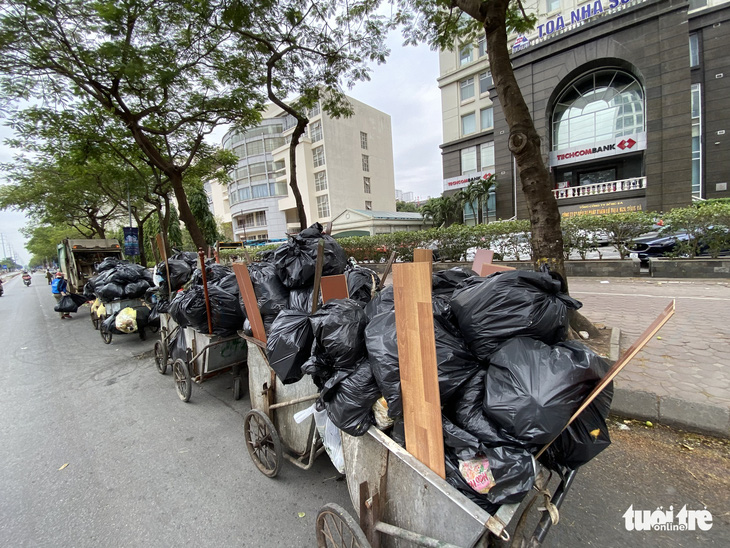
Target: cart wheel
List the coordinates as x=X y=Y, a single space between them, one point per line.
x=237 y=388
x=161 y=357
x=263 y=442
x=96 y=322
x=183 y=380
x=106 y=336
x=337 y=529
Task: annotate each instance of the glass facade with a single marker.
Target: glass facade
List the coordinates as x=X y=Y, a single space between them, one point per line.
x=696 y=110
x=598 y=106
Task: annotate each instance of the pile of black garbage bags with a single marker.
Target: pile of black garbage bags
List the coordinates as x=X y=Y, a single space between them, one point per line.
x=508 y=378
x=118 y=279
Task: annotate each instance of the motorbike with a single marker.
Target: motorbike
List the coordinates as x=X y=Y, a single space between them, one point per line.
x=1 y=288
x=26 y=280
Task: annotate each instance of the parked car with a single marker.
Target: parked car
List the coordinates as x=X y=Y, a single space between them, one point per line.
x=662 y=244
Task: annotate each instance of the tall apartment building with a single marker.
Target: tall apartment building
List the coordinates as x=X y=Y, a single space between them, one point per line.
x=631 y=99
x=341 y=163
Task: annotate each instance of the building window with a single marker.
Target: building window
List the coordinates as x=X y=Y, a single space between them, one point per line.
x=314 y=111
x=466 y=89
x=599 y=106
x=251 y=220
x=320 y=181
x=468 y=160
x=553 y=5
x=368 y=205
x=486 y=118
x=694 y=50
x=315 y=131
x=485 y=81
x=468 y=123
x=696 y=141
x=363 y=140
x=260 y=191
x=465 y=54
x=366 y=184
x=318 y=156
x=323 y=206
x=365 y=162
x=254 y=148
x=697 y=4
x=486 y=156
x=482 y=46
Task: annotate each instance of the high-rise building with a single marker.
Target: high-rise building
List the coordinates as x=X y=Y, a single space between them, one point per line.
x=631 y=99
x=340 y=163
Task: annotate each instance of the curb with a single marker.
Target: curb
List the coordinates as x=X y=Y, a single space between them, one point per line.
x=697 y=417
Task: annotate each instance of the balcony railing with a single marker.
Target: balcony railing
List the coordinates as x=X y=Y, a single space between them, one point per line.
x=636 y=183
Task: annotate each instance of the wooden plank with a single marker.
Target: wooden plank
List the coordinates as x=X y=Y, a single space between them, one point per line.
x=163 y=254
x=201 y=263
x=487 y=269
x=482 y=257
x=249 y=301
x=421 y=255
x=318 y=274
x=632 y=351
x=417 y=357
x=388 y=268
x=334 y=287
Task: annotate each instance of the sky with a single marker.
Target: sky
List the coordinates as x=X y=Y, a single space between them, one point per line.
x=404 y=87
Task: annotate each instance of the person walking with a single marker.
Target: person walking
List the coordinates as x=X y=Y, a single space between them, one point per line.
x=49 y=276
x=59 y=287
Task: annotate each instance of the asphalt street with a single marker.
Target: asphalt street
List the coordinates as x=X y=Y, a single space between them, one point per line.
x=98 y=451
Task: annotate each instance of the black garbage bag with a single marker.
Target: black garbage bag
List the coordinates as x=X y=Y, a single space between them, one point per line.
x=108 y=263
x=511 y=470
x=163 y=306
x=213 y=272
x=271 y=295
x=295 y=260
x=109 y=325
x=300 y=298
x=189 y=257
x=153 y=320
x=180 y=272
x=585 y=438
x=125 y=273
x=339 y=333
x=465 y=411
x=509 y=304
x=349 y=404
x=533 y=389
x=66 y=304
x=444 y=282
x=136 y=289
x=79 y=299
x=455 y=363
x=381 y=342
x=110 y=292
x=188 y=310
x=361 y=283
x=176 y=346
x=89 y=290
x=383 y=301
x=229 y=284
x=289 y=344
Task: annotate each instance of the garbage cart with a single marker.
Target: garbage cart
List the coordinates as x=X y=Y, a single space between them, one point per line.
x=402 y=503
x=269 y=428
x=112 y=308
x=207 y=356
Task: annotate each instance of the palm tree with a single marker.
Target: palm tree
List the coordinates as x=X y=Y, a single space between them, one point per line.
x=444 y=211
x=478 y=191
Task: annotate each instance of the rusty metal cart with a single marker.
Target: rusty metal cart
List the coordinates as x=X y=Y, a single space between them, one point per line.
x=402 y=503
x=269 y=428
x=112 y=308
x=206 y=356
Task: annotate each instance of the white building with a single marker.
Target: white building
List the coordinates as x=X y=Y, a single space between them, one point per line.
x=341 y=163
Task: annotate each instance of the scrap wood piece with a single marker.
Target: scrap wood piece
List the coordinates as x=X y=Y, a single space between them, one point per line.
x=487 y=269
x=632 y=351
x=249 y=301
x=418 y=370
x=163 y=254
x=334 y=287
x=422 y=255
x=482 y=257
x=318 y=266
x=388 y=268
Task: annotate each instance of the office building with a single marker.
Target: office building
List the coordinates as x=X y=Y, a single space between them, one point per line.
x=341 y=163
x=631 y=99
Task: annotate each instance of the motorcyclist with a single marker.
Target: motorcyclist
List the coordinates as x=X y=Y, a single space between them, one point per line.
x=1 y=287
x=26 y=277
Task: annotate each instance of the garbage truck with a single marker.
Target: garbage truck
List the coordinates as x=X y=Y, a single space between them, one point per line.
x=76 y=258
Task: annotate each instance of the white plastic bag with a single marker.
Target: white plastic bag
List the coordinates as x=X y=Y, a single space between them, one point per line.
x=330 y=434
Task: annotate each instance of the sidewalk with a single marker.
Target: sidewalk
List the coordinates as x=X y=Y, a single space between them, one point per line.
x=682 y=376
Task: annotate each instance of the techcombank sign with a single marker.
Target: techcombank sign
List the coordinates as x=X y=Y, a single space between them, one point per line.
x=602 y=149
x=463 y=181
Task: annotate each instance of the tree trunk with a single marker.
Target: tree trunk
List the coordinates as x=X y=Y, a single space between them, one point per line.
x=186 y=214
x=293 y=183
x=524 y=141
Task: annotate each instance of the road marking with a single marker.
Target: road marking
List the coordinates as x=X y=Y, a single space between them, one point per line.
x=652 y=296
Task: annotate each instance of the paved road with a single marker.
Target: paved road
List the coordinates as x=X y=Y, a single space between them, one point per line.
x=145 y=469
x=688 y=362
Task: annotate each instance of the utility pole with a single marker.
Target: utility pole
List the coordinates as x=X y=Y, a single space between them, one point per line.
x=2 y=239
